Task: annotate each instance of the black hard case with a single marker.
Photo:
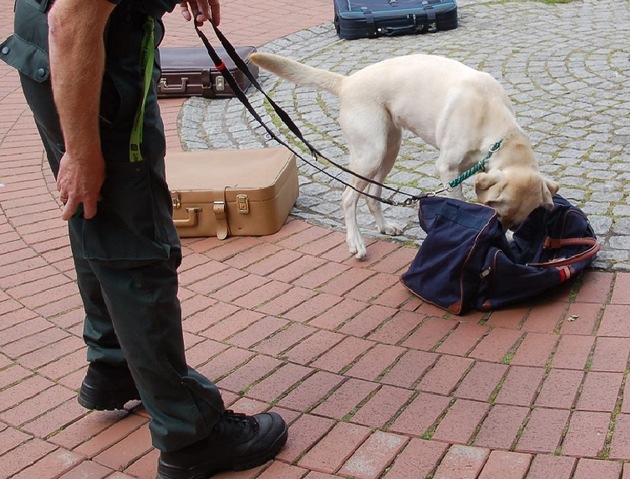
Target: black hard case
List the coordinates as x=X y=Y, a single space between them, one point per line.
x=189 y=71
x=374 y=18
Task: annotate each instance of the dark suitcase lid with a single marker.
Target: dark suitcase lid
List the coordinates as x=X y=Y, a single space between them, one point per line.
x=187 y=59
x=359 y=8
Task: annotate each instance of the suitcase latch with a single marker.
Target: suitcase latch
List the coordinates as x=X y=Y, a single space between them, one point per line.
x=177 y=201
x=219 y=210
x=220 y=217
x=242 y=202
x=220 y=83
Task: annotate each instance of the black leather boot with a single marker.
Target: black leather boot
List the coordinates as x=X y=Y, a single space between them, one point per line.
x=237 y=442
x=107 y=387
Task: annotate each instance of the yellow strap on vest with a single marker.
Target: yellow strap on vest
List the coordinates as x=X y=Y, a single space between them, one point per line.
x=147 y=58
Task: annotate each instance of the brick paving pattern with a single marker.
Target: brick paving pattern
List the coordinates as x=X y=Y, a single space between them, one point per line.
x=374 y=383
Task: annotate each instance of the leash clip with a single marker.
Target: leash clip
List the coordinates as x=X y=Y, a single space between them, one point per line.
x=496 y=146
x=446 y=188
x=414 y=200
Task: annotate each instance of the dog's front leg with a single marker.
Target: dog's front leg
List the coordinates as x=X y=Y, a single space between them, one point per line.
x=448 y=170
x=456 y=192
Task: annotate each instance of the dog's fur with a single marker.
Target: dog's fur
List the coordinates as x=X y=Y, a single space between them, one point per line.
x=459 y=110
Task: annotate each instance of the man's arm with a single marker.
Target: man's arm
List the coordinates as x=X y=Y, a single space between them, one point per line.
x=77 y=58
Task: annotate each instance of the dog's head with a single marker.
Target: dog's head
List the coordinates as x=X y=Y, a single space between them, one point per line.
x=515 y=192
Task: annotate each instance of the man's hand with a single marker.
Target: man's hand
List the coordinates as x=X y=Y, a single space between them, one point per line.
x=201 y=10
x=79 y=183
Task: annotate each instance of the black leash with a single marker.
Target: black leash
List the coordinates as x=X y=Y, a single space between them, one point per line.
x=231 y=81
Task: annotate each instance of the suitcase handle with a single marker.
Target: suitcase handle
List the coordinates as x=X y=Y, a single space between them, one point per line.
x=418 y=27
x=415 y=28
x=401 y=30
x=193 y=219
x=164 y=87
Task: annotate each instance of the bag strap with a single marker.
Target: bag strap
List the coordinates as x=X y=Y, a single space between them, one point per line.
x=556 y=243
x=594 y=247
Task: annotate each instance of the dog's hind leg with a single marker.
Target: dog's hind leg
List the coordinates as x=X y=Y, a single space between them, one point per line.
x=349 y=201
x=376 y=190
x=370 y=159
x=367 y=132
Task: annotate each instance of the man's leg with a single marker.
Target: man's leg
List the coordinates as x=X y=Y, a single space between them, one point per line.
x=189 y=425
x=108 y=384
x=98 y=331
x=142 y=301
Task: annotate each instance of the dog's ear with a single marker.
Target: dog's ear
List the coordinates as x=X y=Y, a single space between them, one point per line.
x=549 y=188
x=488 y=186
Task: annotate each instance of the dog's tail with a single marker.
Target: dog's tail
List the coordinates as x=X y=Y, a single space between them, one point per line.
x=298 y=73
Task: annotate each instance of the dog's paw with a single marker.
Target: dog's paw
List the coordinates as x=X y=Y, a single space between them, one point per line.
x=390 y=229
x=359 y=252
x=357 y=247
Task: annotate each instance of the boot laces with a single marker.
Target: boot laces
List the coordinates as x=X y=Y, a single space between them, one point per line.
x=244 y=419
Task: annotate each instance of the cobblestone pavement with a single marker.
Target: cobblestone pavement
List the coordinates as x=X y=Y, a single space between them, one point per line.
x=565 y=67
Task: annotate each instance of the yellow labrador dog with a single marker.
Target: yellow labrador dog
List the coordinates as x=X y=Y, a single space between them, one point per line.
x=459 y=110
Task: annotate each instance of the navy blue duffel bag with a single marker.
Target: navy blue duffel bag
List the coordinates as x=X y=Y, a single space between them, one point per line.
x=466 y=262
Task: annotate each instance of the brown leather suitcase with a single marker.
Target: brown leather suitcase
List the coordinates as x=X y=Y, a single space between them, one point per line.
x=247 y=192
x=189 y=71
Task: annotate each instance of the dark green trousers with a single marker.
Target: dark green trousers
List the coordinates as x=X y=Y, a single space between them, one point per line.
x=126 y=257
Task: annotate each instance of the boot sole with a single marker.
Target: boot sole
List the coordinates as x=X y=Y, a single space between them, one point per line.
x=99 y=400
x=204 y=471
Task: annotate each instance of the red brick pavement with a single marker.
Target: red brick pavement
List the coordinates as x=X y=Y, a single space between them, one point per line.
x=374 y=383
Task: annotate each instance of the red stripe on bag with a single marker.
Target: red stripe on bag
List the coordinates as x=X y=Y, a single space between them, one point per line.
x=565 y=273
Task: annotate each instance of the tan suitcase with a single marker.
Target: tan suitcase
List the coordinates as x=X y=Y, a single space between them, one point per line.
x=247 y=192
